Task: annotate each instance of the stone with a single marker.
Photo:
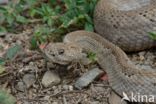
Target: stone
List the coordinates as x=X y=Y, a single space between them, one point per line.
x=29 y=80
x=20 y=86
x=142 y=53
x=50 y=79
x=65 y=87
x=87 y=78
x=71 y=88
x=115 y=99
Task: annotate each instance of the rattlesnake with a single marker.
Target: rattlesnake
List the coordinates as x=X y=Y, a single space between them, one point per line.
x=126 y=22
x=123 y=75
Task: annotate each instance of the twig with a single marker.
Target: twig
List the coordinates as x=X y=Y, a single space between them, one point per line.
x=32 y=58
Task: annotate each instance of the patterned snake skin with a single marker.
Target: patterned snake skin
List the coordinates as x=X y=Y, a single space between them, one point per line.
x=126 y=23
x=122 y=74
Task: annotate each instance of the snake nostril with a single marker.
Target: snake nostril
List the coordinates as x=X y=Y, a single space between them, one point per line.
x=61 y=51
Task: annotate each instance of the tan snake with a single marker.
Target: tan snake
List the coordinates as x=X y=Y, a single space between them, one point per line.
x=123 y=75
x=125 y=23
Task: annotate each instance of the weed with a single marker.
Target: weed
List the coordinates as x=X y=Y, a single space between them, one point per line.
x=54 y=17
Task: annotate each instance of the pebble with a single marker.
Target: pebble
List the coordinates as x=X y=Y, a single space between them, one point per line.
x=87 y=78
x=65 y=87
x=54 y=103
x=46 y=97
x=142 y=53
x=97 y=102
x=26 y=102
x=115 y=99
x=50 y=79
x=71 y=88
x=20 y=86
x=29 y=80
x=144 y=60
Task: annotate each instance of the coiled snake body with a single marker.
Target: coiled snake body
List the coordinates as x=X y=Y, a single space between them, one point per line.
x=128 y=28
x=126 y=22
x=123 y=75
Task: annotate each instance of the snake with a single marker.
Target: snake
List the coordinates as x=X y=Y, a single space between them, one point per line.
x=121 y=25
x=123 y=75
x=126 y=23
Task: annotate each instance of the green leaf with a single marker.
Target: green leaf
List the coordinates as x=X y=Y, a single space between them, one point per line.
x=2 y=61
x=3 y=9
x=89 y=27
x=33 y=12
x=10 y=19
x=53 y=2
x=92 y=56
x=11 y=52
x=33 y=42
x=3 y=31
x=50 y=22
x=152 y=35
x=6 y=98
x=21 y=19
x=2 y=69
x=2 y=19
x=31 y=2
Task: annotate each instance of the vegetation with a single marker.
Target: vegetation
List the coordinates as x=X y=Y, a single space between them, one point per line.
x=6 y=98
x=92 y=56
x=52 y=18
x=153 y=35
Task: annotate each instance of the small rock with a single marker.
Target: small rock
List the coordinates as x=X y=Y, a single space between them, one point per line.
x=71 y=88
x=54 y=87
x=87 y=78
x=29 y=80
x=142 y=58
x=46 y=97
x=50 y=65
x=50 y=79
x=20 y=86
x=97 y=102
x=142 y=53
x=56 y=91
x=65 y=87
x=115 y=99
x=26 y=102
x=54 y=103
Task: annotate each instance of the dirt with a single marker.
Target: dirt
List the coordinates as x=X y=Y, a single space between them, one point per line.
x=31 y=62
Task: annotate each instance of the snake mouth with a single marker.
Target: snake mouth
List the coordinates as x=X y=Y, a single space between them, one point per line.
x=57 y=60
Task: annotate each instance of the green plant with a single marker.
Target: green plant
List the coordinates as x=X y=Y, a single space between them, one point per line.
x=11 y=15
x=6 y=98
x=55 y=17
x=92 y=56
x=152 y=35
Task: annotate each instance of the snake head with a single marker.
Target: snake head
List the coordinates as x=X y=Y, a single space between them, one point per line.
x=63 y=53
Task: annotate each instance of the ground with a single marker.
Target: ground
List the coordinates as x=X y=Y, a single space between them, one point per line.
x=24 y=73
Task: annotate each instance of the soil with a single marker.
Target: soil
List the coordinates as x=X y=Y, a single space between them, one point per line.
x=31 y=62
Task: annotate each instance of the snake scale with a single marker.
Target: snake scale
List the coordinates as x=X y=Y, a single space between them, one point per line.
x=125 y=23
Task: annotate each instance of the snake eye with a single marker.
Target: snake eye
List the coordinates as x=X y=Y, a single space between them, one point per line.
x=61 y=51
